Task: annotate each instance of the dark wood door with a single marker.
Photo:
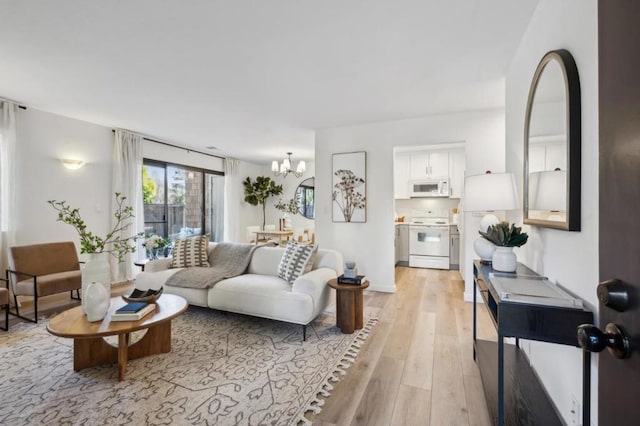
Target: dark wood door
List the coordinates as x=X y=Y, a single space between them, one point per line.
x=619 y=108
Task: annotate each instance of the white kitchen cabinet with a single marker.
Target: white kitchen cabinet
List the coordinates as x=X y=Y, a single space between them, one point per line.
x=429 y=165
x=402 y=245
x=401 y=165
x=547 y=156
x=456 y=172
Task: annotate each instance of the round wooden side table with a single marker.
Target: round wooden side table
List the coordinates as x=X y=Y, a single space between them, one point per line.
x=350 y=312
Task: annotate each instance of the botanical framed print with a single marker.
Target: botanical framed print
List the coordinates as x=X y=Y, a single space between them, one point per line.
x=349 y=187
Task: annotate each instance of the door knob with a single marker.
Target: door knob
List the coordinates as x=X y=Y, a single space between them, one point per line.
x=592 y=339
x=613 y=294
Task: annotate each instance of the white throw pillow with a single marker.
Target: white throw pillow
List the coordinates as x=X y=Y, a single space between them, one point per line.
x=296 y=260
x=188 y=252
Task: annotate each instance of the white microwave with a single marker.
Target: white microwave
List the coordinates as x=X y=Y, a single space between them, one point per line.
x=429 y=188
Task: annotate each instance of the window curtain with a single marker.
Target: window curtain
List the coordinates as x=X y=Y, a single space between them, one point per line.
x=232 y=200
x=216 y=186
x=8 y=118
x=127 y=180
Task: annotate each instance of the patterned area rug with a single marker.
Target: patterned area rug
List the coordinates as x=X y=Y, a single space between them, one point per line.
x=224 y=369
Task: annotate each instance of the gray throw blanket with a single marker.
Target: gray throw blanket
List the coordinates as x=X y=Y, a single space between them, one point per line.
x=227 y=260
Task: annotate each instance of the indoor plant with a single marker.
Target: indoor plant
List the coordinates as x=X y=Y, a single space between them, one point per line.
x=505 y=236
x=259 y=191
x=156 y=246
x=287 y=208
x=97 y=267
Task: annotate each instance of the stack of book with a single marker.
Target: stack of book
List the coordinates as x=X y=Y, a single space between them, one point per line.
x=358 y=280
x=133 y=311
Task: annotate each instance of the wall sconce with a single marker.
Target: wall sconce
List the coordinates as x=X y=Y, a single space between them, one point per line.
x=72 y=164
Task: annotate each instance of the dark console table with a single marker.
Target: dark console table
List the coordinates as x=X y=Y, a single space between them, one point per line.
x=512 y=389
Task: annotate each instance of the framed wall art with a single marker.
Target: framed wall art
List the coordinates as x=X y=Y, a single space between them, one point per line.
x=349 y=187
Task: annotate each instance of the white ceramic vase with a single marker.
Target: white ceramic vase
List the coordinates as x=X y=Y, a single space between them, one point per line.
x=96 y=269
x=96 y=301
x=504 y=259
x=484 y=248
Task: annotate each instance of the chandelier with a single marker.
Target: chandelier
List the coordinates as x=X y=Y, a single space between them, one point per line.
x=285 y=167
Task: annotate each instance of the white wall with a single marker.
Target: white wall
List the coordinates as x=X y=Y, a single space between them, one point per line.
x=570 y=258
x=42 y=140
x=371 y=244
x=45 y=138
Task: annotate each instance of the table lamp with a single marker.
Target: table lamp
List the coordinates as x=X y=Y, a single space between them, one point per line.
x=548 y=192
x=487 y=193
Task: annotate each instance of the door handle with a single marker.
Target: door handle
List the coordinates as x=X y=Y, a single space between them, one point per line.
x=613 y=294
x=592 y=339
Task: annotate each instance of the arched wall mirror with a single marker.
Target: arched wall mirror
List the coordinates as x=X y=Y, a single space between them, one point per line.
x=552 y=144
x=305 y=195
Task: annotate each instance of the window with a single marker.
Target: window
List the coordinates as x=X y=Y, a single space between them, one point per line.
x=181 y=201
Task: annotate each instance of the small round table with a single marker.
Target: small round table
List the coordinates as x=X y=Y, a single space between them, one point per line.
x=350 y=312
x=89 y=347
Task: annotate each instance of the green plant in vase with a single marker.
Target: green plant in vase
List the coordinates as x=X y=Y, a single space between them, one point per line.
x=505 y=236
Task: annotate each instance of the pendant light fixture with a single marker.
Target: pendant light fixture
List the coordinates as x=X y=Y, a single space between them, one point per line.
x=285 y=167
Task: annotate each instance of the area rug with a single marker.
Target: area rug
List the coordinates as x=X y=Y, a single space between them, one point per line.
x=224 y=369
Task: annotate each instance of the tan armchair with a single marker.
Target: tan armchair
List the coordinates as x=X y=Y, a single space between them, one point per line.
x=42 y=270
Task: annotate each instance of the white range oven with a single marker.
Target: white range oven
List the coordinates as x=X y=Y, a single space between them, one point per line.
x=429 y=239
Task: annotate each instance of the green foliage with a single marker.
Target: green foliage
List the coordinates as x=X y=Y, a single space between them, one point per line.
x=290 y=206
x=89 y=242
x=258 y=192
x=149 y=187
x=505 y=235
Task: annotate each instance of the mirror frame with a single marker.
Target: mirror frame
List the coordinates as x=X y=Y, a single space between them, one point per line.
x=573 y=128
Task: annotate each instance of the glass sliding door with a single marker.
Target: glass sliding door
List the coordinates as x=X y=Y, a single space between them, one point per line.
x=191 y=201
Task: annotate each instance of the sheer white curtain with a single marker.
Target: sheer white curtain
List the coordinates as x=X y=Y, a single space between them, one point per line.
x=232 y=200
x=8 y=117
x=127 y=180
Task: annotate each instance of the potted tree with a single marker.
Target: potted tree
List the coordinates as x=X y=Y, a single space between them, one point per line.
x=505 y=236
x=258 y=191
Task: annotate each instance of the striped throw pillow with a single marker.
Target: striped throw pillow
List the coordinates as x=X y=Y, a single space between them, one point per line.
x=189 y=252
x=296 y=260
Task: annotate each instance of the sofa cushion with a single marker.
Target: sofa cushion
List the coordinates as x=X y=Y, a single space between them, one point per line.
x=50 y=284
x=188 y=252
x=296 y=260
x=264 y=296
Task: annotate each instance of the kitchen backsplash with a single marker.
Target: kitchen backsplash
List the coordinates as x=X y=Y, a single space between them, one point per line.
x=404 y=207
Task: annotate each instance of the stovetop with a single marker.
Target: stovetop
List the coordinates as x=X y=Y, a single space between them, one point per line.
x=430 y=217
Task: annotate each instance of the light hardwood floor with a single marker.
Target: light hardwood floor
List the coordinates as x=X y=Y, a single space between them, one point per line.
x=416 y=368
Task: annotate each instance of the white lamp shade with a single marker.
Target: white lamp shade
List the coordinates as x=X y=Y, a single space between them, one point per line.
x=490 y=191
x=302 y=167
x=548 y=190
x=274 y=166
x=286 y=164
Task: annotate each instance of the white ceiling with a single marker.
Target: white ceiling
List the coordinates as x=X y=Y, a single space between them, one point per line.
x=255 y=78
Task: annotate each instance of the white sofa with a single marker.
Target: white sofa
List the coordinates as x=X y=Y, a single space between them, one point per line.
x=259 y=292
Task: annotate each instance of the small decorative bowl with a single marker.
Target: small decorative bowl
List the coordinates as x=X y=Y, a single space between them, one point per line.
x=148 y=296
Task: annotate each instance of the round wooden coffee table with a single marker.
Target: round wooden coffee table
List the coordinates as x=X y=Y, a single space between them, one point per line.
x=89 y=347
x=349 y=306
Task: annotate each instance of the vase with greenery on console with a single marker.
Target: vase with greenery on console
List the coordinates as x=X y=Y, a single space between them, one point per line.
x=505 y=236
x=97 y=269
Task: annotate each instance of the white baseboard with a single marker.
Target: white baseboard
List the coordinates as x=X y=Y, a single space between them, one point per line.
x=382 y=289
